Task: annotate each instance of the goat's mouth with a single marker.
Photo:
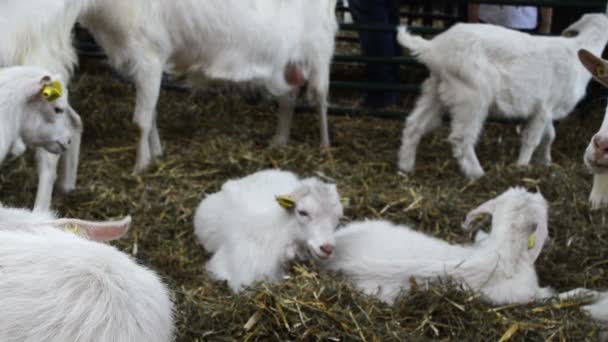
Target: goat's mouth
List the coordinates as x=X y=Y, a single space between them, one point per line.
x=597 y=167
x=318 y=255
x=56 y=147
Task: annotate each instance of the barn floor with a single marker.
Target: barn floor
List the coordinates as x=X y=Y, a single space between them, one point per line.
x=210 y=138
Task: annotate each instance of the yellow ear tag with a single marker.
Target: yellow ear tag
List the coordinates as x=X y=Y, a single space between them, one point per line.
x=286 y=201
x=345 y=201
x=531 y=241
x=601 y=71
x=72 y=228
x=52 y=91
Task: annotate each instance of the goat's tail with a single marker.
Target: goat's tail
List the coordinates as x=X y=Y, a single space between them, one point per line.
x=415 y=44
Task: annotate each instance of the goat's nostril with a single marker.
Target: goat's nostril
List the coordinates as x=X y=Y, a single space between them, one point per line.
x=69 y=141
x=327 y=249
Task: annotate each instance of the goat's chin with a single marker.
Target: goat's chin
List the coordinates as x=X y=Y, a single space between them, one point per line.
x=597 y=167
x=318 y=255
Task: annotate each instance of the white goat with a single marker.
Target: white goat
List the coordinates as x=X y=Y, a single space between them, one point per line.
x=253 y=234
x=38 y=33
x=60 y=286
x=477 y=70
x=597 y=310
x=277 y=43
x=596 y=154
x=381 y=258
x=30 y=115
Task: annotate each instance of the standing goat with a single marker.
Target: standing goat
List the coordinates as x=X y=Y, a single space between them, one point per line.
x=477 y=70
x=34 y=112
x=58 y=286
x=382 y=258
x=596 y=154
x=257 y=224
x=280 y=44
x=38 y=33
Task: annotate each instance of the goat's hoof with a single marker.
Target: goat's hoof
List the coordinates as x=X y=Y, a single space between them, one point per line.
x=406 y=166
x=598 y=202
x=66 y=188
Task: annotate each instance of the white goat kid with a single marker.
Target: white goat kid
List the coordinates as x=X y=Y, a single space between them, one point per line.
x=44 y=40
x=253 y=234
x=381 y=257
x=279 y=44
x=34 y=112
x=477 y=70
x=62 y=287
x=596 y=154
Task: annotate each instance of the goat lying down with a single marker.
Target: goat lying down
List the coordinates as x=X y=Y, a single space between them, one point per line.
x=381 y=258
x=596 y=154
x=481 y=70
x=256 y=225
x=61 y=284
x=597 y=309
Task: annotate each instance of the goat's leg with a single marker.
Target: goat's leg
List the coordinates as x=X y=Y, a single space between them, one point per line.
x=543 y=151
x=425 y=118
x=147 y=82
x=155 y=145
x=68 y=165
x=46 y=163
x=531 y=136
x=287 y=105
x=467 y=122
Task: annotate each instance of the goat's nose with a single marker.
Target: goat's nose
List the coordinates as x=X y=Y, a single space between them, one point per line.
x=327 y=249
x=600 y=143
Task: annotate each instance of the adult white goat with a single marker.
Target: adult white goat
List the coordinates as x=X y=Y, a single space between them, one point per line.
x=381 y=257
x=38 y=33
x=477 y=70
x=257 y=224
x=34 y=112
x=60 y=286
x=281 y=44
x=596 y=154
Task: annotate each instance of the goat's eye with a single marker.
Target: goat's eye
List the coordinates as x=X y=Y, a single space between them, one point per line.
x=303 y=213
x=58 y=110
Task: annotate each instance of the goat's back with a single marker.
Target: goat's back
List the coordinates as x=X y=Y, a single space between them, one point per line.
x=62 y=288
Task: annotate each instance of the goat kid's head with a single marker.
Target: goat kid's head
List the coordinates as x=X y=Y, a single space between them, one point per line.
x=519 y=217
x=317 y=210
x=50 y=121
x=592 y=23
x=596 y=153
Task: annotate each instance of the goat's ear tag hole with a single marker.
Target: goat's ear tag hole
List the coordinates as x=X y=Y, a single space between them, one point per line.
x=531 y=241
x=286 y=201
x=72 y=228
x=52 y=91
x=601 y=71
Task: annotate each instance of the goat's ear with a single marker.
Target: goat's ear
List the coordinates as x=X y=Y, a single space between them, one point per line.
x=536 y=241
x=485 y=208
x=286 y=201
x=93 y=230
x=596 y=66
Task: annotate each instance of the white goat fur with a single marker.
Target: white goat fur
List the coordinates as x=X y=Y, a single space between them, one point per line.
x=381 y=257
x=477 y=70
x=38 y=33
x=63 y=287
x=253 y=238
x=236 y=40
x=27 y=118
x=597 y=309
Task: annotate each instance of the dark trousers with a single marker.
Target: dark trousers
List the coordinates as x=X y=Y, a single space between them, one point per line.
x=378 y=43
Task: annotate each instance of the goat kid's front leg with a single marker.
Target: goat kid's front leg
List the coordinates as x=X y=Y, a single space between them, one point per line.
x=68 y=165
x=531 y=136
x=46 y=163
x=147 y=82
x=543 y=151
x=287 y=104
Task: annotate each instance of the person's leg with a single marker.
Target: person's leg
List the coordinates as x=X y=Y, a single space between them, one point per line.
x=378 y=43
